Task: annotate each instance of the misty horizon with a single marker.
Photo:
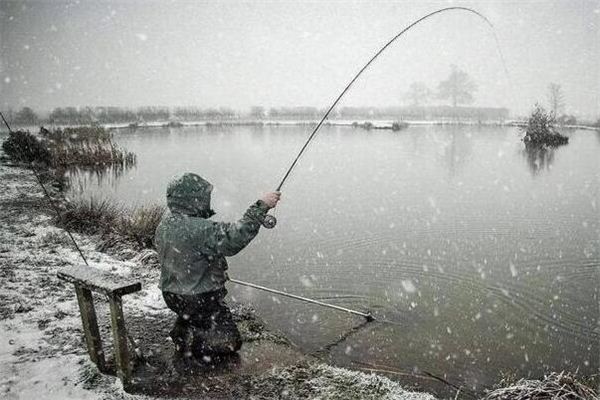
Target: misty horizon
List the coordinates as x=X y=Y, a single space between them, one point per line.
x=240 y=55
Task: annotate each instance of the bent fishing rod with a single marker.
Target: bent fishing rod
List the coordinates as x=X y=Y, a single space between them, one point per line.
x=270 y=221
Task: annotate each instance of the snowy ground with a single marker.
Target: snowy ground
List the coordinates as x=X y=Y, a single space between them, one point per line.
x=42 y=352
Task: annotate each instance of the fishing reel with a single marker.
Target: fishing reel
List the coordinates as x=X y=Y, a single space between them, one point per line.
x=269 y=222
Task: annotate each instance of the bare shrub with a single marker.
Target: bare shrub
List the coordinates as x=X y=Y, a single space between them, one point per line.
x=22 y=146
x=398 y=126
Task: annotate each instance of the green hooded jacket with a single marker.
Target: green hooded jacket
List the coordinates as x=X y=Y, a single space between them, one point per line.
x=191 y=248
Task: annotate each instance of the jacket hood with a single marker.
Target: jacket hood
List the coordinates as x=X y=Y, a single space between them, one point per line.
x=190 y=195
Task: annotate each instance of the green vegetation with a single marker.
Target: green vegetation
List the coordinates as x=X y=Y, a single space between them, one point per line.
x=540 y=129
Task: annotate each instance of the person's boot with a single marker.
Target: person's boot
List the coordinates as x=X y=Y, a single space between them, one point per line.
x=209 y=343
x=180 y=337
x=199 y=349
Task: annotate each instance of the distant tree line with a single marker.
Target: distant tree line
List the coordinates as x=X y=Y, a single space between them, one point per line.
x=117 y=115
x=457 y=90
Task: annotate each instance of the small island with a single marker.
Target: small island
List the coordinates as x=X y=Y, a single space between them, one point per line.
x=540 y=130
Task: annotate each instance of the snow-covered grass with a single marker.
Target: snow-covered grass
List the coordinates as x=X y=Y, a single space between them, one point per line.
x=321 y=381
x=42 y=350
x=554 y=386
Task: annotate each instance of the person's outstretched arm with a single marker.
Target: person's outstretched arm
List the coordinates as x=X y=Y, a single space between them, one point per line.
x=229 y=238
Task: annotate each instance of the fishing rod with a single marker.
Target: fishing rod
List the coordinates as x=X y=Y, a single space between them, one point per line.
x=270 y=221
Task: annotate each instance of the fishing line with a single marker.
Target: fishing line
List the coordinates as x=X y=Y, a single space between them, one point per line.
x=270 y=221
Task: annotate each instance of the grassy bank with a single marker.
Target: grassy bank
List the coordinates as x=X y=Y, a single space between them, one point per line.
x=54 y=152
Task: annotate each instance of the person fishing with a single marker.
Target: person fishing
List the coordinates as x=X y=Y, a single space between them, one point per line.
x=192 y=251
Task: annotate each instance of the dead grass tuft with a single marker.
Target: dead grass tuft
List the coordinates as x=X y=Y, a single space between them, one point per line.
x=94 y=216
x=552 y=387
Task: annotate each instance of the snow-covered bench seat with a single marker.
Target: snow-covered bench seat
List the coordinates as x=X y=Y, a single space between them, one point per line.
x=87 y=279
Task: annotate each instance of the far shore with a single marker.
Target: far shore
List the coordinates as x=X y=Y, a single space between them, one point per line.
x=382 y=124
x=376 y=124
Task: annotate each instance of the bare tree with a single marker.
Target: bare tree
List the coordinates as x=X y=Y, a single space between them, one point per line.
x=26 y=116
x=556 y=99
x=258 y=112
x=458 y=88
x=418 y=93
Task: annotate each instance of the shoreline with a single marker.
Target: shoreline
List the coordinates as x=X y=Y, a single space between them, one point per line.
x=381 y=124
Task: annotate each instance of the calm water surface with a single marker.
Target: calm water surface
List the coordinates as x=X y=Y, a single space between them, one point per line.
x=484 y=258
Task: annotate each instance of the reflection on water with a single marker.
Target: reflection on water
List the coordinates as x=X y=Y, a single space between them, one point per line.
x=480 y=267
x=78 y=179
x=457 y=151
x=539 y=157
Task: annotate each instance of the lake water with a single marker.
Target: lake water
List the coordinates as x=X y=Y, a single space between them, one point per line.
x=484 y=258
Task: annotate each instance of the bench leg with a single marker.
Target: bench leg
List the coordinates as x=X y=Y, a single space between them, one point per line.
x=120 y=340
x=90 y=327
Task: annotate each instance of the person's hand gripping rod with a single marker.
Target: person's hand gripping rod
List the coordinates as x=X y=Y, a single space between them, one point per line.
x=270 y=199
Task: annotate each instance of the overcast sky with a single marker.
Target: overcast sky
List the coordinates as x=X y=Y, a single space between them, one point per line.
x=285 y=53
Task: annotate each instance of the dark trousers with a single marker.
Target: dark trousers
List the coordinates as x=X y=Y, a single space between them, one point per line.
x=204 y=325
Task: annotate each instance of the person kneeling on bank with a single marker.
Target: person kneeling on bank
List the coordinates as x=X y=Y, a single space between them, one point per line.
x=192 y=250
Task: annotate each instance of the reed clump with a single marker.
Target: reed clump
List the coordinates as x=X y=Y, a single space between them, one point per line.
x=90 y=155
x=86 y=147
x=540 y=129
x=552 y=387
x=105 y=217
x=90 y=216
x=140 y=224
x=91 y=134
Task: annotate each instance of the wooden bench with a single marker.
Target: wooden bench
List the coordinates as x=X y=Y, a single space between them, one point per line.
x=87 y=279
